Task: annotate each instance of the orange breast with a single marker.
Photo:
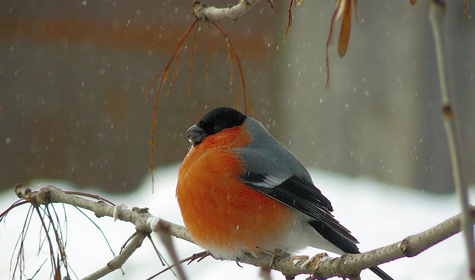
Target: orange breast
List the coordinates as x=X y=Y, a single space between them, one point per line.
x=223 y=215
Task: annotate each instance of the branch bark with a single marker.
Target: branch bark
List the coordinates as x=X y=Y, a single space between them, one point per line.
x=117 y=262
x=211 y=13
x=452 y=130
x=322 y=267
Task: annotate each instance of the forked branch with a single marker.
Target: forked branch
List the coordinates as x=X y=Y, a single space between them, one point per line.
x=346 y=266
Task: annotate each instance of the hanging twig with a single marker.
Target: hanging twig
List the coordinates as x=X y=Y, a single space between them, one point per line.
x=163 y=76
x=232 y=53
x=289 y=20
x=210 y=15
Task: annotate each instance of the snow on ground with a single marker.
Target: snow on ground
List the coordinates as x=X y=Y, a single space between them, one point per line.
x=377 y=214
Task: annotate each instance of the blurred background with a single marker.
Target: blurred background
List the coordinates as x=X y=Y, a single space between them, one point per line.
x=73 y=76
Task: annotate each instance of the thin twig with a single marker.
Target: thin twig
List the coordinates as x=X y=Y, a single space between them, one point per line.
x=175 y=71
x=465 y=14
x=243 y=81
x=163 y=75
x=329 y=42
x=159 y=255
x=20 y=260
x=437 y=18
x=192 y=51
x=98 y=228
x=121 y=258
x=96 y=197
x=50 y=243
x=164 y=234
x=59 y=242
x=205 y=14
x=197 y=256
x=209 y=52
x=15 y=204
x=289 y=20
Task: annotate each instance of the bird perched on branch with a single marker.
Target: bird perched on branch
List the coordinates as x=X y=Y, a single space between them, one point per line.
x=241 y=191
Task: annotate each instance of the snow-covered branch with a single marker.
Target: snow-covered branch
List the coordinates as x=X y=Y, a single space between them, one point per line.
x=211 y=13
x=320 y=267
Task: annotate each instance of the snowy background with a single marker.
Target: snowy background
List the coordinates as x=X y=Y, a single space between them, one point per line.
x=377 y=214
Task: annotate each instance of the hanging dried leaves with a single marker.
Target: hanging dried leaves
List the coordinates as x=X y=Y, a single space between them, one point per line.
x=162 y=76
x=344 y=11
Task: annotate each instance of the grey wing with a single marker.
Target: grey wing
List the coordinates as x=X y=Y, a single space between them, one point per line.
x=275 y=172
x=266 y=155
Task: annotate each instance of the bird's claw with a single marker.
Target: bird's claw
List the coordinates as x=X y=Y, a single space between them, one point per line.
x=313 y=261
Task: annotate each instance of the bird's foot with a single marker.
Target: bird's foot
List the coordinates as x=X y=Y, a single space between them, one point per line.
x=198 y=256
x=312 y=261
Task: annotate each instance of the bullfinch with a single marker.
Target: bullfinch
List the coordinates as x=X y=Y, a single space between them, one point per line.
x=240 y=191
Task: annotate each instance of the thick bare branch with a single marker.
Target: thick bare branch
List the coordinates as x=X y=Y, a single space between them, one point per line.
x=137 y=216
x=321 y=267
x=350 y=265
x=211 y=13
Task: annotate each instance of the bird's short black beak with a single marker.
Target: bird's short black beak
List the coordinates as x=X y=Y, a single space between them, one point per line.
x=195 y=134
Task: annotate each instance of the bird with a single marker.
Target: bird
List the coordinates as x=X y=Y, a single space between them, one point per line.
x=240 y=191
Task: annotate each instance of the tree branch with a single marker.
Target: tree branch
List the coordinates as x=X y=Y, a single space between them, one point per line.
x=437 y=19
x=351 y=264
x=211 y=13
x=137 y=216
x=117 y=262
x=321 y=267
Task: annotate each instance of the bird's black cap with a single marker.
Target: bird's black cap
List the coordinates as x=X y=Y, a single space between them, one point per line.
x=221 y=118
x=214 y=122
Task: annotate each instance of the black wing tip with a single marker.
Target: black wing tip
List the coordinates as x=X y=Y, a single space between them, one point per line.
x=346 y=245
x=345 y=242
x=315 y=194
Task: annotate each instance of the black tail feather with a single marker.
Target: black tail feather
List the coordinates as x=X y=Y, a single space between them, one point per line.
x=378 y=271
x=336 y=239
x=345 y=245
